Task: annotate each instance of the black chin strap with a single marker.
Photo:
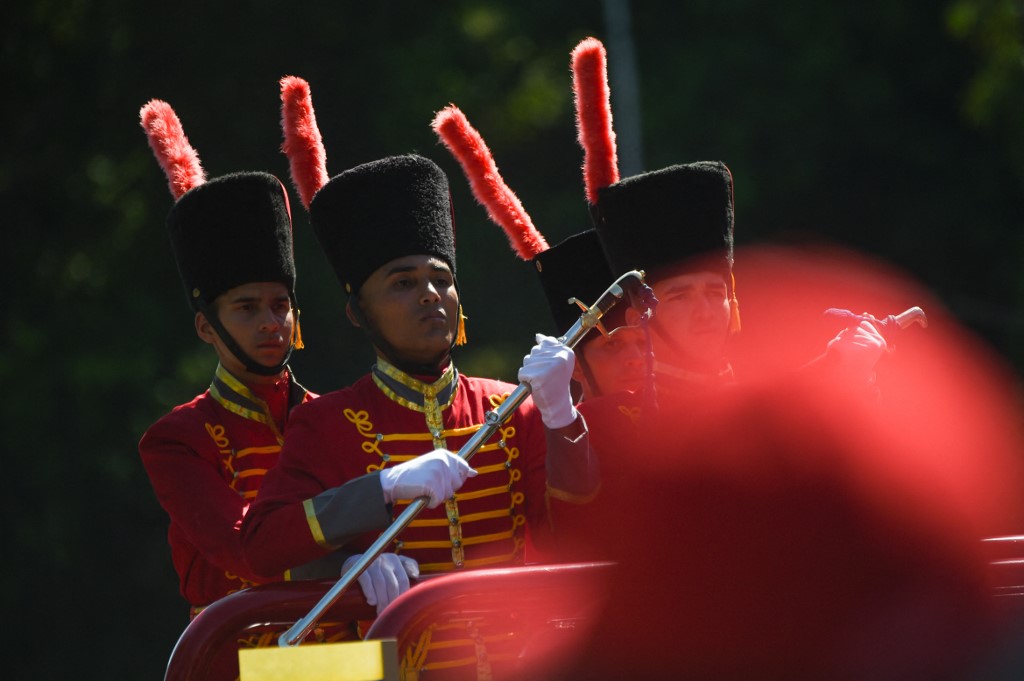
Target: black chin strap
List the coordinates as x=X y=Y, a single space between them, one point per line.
x=645 y=303
x=650 y=390
x=248 y=362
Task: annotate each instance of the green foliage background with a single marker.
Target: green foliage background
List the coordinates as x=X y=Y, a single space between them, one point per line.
x=893 y=128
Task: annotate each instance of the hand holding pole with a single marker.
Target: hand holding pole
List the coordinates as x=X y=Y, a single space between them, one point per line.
x=494 y=418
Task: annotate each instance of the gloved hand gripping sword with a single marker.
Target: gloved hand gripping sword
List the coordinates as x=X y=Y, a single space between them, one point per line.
x=887 y=325
x=630 y=281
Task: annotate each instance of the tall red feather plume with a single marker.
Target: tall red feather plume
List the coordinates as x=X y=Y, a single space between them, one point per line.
x=594 y=116
x=303 y=144
x=179 y=160
x=502 y=205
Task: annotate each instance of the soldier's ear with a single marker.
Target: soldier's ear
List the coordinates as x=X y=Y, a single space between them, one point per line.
x=204 y=329
x=353 y=318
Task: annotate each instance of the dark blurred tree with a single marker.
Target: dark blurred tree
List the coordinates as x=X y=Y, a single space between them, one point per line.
x=894 y=128
x=994 y=97
x=846 y=124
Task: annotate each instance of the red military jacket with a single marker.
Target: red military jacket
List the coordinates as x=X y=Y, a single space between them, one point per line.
x=623 y=436
x=206 y=460
x=320 y=498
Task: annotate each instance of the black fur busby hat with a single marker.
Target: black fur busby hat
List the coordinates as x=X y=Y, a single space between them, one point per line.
x=667 y=218
x=232 y=230
x=382 y=210
x=576 y=268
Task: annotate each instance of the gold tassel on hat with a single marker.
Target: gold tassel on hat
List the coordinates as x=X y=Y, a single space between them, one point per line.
x=734 y=308
x=460 y=337
x=297 y=333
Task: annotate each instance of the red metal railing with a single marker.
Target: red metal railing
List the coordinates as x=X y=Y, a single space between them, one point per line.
x=208 y=648
x=550 y=605
x=542 y=598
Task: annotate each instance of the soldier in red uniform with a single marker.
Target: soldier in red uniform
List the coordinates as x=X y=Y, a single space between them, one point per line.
x=614 y=359
x=573 y=273
x=232 y=239
x=354 y=458
x=676 y=224
x=386 y=227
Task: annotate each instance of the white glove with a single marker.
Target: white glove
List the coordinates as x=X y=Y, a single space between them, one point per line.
x=386 y=578
x=858 y=350
x=436 y=475
x=548 y=370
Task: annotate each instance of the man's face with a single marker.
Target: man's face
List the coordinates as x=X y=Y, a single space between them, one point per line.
x=259 y=317
x=412 y=303
x=616 y=362
x=693 y=309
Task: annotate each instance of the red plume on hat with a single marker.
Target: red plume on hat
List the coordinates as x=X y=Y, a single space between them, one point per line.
x=502 y=205
x=173 y=152
x=303 y=144
x=594 y=116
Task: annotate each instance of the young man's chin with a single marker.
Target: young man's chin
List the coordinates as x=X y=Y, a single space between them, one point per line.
x=269 y=359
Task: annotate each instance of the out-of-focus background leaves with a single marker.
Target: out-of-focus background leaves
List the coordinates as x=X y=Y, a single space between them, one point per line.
x=893 y=128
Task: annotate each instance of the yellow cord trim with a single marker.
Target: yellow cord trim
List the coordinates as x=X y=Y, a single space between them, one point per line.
x=268 y=449
x=451 y=508
x=217 y=433
x=454 y=643
x=485 y=515
x=468 y=541
x=430 y=522
x=416 y=655
x=260 y=641
x=474 y=562
x=460 y=625
x=439 y=544
x=416 y=658
x=435 y=423
x=372 y=445
x=238 y=409
x=480 y=493
x=361 y=420
x=493 y=537
x=314 y=525
x=463 y=662
x=465 y=496
x=428 y=390
x=466 y=430
x=495 y=468
x=632 y=413
x=411 y=437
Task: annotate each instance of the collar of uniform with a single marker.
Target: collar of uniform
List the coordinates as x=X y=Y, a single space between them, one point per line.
x=239 y=399
x=721 y=377
x=413 y=393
